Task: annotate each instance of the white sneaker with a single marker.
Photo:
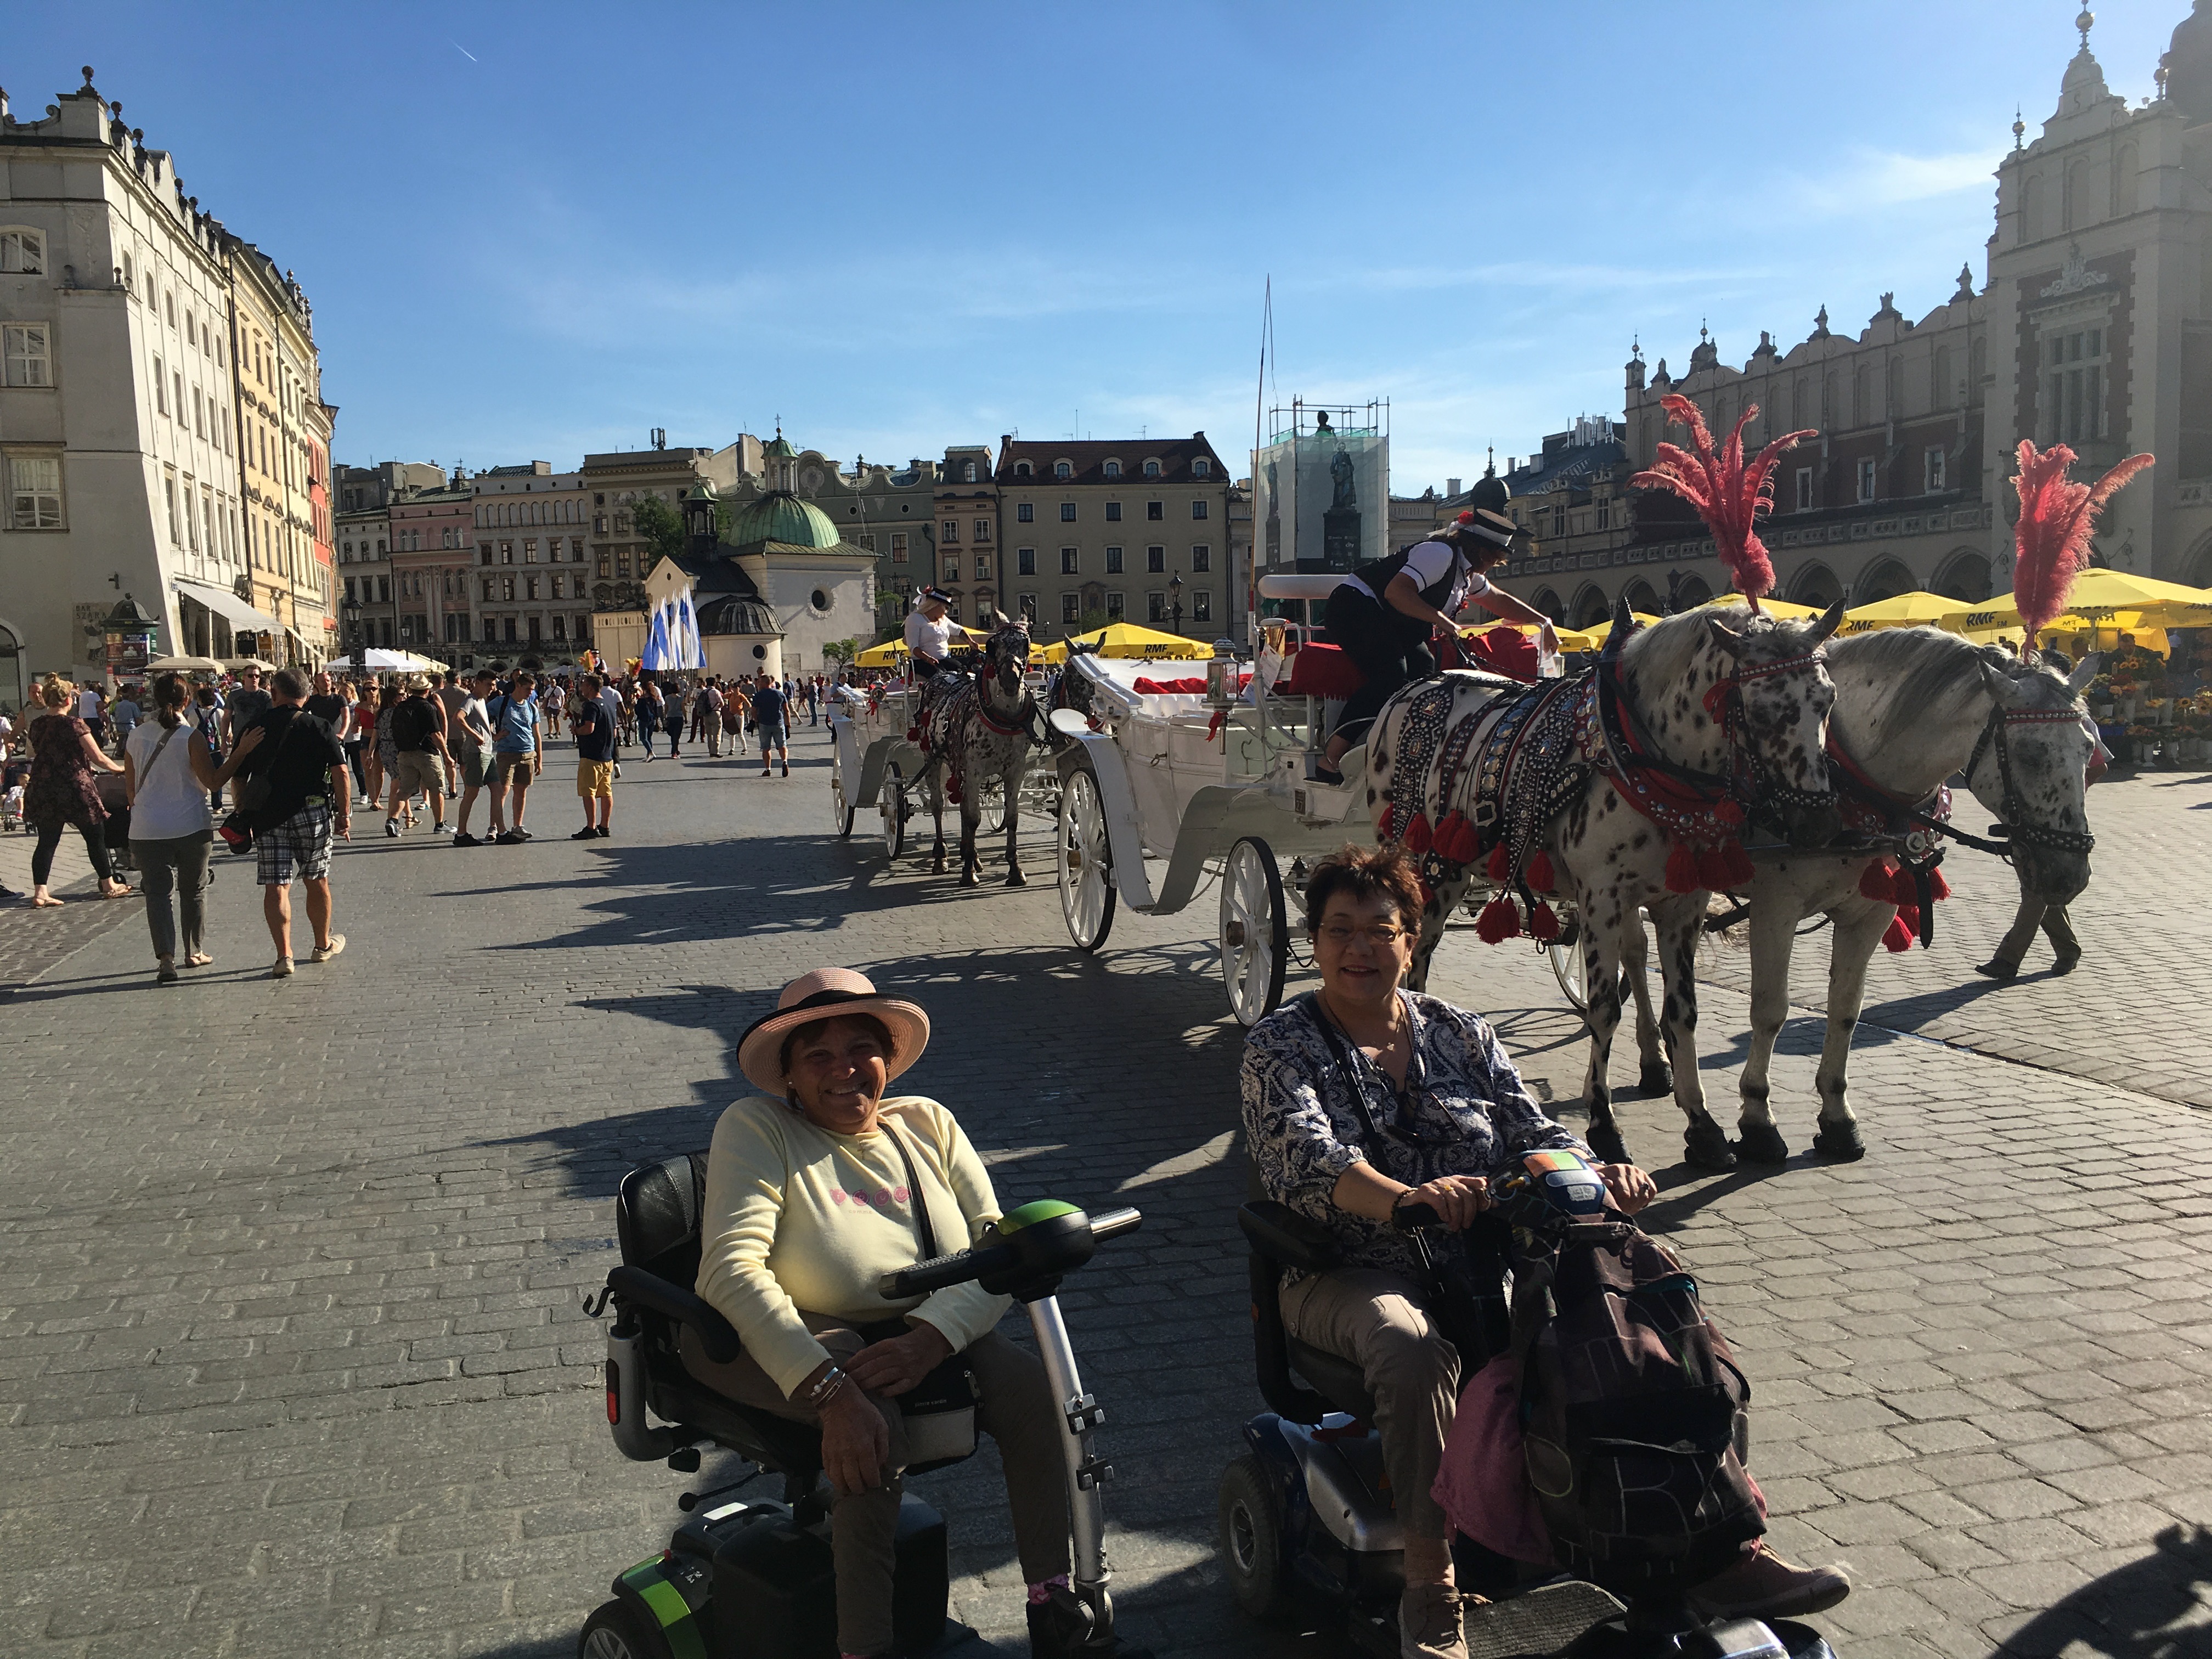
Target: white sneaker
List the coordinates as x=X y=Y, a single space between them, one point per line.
x=324 y=953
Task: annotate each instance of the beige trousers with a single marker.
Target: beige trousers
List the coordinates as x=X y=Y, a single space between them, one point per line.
x=1016 y=1409
x=1376 y=1320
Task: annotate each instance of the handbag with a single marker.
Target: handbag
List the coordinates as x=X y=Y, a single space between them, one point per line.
x=940 y=1409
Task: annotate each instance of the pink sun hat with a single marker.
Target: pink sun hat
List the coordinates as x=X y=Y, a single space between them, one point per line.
x=828 y=993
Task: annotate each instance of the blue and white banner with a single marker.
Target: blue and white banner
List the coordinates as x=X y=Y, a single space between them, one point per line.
x=672 y=640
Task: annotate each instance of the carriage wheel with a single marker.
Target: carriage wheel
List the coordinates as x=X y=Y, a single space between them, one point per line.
x=841 y=810
x=890 y=806
x=1255 y=930
x=991 y=807
x=1086 y=860
x=1566 y=954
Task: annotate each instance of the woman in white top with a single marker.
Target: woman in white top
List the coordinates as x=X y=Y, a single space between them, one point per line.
x=1384 y=613
x=167 y=773
x=930 y=630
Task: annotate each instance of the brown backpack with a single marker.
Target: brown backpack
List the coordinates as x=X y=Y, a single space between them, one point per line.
x=1633 y=1409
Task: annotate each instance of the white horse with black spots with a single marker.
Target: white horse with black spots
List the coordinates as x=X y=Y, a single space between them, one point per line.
x=981 y=730
x=1914 y=706
x=1716 y=695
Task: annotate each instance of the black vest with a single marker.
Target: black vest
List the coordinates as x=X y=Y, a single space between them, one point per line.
x=1379 y=574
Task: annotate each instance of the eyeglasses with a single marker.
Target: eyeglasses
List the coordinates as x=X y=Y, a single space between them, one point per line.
x=1382 y=935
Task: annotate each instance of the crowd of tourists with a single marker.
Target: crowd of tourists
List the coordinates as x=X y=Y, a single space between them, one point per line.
x=142 y=775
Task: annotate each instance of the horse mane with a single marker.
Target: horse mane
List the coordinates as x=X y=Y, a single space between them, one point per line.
x=1918 y=668
x=1662 y=653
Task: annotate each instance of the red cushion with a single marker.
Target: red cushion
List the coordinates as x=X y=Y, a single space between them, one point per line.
x=1192 y=686
x=1505 y=650
x=1324 y=670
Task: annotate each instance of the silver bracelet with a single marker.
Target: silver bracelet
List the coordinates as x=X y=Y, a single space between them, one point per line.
x=823 y=1391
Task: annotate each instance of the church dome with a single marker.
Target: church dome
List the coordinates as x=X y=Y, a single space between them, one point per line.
x=780 y=516
x=2189 y=66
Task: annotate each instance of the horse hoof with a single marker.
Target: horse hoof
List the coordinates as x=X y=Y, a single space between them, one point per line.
x=1656 y=1078
x=1605 y=1140
x=1016 y=879
x=1839 y=1142
x=1762 y=1143
x=1704 y=1146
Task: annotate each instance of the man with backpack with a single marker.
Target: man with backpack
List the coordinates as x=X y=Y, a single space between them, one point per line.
x=517 y=754
x=418 y=733
x=292 y=790
x=1362 y=1099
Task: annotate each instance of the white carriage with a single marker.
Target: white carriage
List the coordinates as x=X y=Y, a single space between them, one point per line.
x=873 y=762
x=1215 y=781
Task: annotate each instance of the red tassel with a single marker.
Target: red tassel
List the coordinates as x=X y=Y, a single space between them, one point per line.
x=1736 y=863
x=1500 y=865
x=1907 y=888
x=1681 y=869
x=1712 y=870
x=1729 y=812
x=1541 y=878
x=1383 y=824
x=1419 y=836
x=1876 y=883
x=1543 y=926
x=1937 y=887
x=1498 y=921
x=1909 y=915
x=1455 y=839
x=1898 y=937
x=913 y=734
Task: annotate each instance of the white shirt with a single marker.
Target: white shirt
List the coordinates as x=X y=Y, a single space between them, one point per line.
x=87 y=705
x=1428 y=564
x=611 y=707
x=931 y=639
x=169 y=802
x=475 y=720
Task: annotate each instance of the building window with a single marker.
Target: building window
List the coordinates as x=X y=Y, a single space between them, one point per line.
x=967 y=472
x=1934 y=459
x=1113 y=560
x=898 y=547
x=1201 y=602
x=1867 y=469
x=1113 y=468
x=1116 y=608
x=1198 y=509
x=982 y=530
x=1071 y=562
x=484 y=549
x=1113 y=512
x=2073 y=409
x=491 y=629
x=508 y=625
x=1025 y=561
x=506 y=589
x=1156 y=607
x=1070 y=608
x=1605 y=515
x=169 y=496
x=487 y=589
x=560 y=626
x=530 y=551
x=23 y=252
x=1067 y=511
x=1025 y=511
x=982 y=567
x=1201 y=468
x=1022 y=470
x=1804 y=489
x=28 y=349
x=507 y=552
x=952 y=570
x=1062 y=470
x=530 y=587
x=951 y=531
x=34 y=492
x=866 y=538
x=1155 y=560
x=1201 y=558
x=1154 y=511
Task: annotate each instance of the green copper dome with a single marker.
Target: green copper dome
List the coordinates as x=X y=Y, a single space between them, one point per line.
x=780 y=516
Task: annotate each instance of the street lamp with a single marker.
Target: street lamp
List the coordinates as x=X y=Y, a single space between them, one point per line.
x=1174 y=595
x=350 y=613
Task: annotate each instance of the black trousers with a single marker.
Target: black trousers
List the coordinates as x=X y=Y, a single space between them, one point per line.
x=1391 y=649
x=50 y=840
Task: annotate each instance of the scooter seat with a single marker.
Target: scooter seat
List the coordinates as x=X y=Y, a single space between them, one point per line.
x=1336 y=1379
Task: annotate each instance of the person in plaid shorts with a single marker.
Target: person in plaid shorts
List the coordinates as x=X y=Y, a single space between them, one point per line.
x=309 y=803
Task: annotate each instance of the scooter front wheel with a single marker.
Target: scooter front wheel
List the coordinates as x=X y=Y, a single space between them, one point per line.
x=615 y=1633
x=1252 y=1540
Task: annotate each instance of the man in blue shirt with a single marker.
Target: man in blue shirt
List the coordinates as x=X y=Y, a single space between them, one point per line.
x=769 y=713
x=518 y=752
x=595 y=762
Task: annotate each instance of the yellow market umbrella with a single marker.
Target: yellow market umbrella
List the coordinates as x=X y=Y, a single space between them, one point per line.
x=1123 y=639
x=890 y=654
x=1769 y=603
x=2096 y=595
x=1913 y=610
x=1055 y=652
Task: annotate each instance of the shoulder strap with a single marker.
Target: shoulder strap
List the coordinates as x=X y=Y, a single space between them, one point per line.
x=170 y=732
x=914 y=1185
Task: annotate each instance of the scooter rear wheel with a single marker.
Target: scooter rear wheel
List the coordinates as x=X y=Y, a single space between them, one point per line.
x=614 y=1632
x=1252 y=1540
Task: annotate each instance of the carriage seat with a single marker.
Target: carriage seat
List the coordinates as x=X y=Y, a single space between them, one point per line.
x=1324 y=670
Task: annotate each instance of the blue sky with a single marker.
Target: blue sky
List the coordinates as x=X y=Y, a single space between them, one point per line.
x=527 y=235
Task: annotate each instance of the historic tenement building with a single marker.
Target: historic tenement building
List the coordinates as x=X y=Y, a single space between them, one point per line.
x=2093 y=328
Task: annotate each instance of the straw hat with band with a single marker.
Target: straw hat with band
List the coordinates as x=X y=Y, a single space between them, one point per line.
x=828 y=993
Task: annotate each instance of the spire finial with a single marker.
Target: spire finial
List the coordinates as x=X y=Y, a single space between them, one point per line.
x=1490 y=470
x=1636 y=346
x=2085 y=19
x=2019 y=128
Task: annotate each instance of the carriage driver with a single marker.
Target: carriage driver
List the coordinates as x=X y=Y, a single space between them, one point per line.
x=930 y=631
x=1384 y=613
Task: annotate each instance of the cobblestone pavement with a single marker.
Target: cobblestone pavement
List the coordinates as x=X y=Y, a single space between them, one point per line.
x=291 y=1362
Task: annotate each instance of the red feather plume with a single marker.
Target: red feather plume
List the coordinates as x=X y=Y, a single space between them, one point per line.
x=2057 y=518
x=1728 y=493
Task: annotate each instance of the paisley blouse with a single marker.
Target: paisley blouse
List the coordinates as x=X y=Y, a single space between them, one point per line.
x=1463 y=1111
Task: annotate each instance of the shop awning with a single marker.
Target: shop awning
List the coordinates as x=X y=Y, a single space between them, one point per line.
x=228 y=605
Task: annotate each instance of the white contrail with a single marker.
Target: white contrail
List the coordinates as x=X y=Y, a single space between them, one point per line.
x=465 y=52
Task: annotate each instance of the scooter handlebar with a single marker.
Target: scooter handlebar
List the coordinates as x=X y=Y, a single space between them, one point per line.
x=1112 y=1223
x=939 y=1272
x=1407 y=1216
x=1059 y=1243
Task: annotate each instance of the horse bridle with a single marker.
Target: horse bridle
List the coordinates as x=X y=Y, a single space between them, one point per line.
x=2012 y=810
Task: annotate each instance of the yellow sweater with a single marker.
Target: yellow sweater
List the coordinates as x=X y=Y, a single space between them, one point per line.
x=797 y=1217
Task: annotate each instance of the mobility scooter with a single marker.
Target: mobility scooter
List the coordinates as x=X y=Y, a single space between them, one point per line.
x=754 y=1580
x=1306 y=1517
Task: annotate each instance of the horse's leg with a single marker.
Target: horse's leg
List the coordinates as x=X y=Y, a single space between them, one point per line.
x=971 y=819
x=1012 y=791
x=1859 y=924
x=1600 y=948
x=1679 y=921
x=1774 y=918
x=934 y=775
x=1653 y=1075
x=1441 y=903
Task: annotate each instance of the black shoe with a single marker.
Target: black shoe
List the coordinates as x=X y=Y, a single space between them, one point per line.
x=587 y=833
x=605 y=833
x=1998 y=968
x=510 y=838
x=463 y=838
